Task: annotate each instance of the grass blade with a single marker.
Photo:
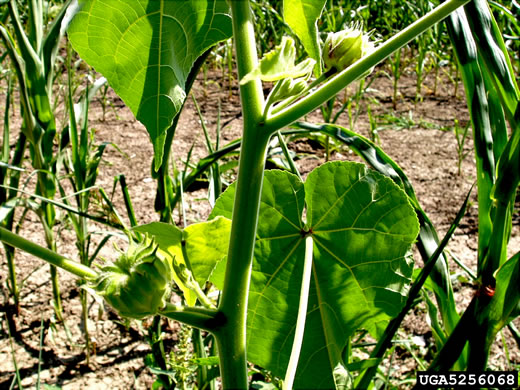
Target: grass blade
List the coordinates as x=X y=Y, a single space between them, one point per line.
x=51 y=43
x=128 y=201
x=17 y=372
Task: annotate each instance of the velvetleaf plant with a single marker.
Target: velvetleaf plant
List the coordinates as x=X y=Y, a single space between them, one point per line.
x=352 y=246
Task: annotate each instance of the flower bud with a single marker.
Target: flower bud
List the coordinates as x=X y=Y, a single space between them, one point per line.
x=291 y=87
x=137 y=284
x=345 y=47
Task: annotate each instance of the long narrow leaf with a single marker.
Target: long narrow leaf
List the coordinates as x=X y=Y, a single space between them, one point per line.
x=128 y=201
x=496 y=113
x=18 y=63
x=205 y=163
x=467 y=56
x=35 y=22
x=494 y=54
x=51 y=43
x=69 y=208
x=33 y=74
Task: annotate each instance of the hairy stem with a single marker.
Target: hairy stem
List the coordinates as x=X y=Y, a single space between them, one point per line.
x=231 y=338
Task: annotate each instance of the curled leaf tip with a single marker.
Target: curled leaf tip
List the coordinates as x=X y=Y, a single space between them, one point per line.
x=279 y=64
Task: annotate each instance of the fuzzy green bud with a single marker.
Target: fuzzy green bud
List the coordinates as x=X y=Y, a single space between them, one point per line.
x=137 y=284
x=291 y=87
x=345 y=47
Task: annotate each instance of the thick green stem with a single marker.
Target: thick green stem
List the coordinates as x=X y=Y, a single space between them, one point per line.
x=352 y=73
x=231 y=338
x=198 y=317
x=46 y=254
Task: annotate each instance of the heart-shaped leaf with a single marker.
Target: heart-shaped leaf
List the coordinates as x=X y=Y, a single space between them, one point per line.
x=146 y=49
x=363 y=227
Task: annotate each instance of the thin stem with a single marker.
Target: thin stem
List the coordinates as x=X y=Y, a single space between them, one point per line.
x=46 y=254
x=12 y=282
x=84 y=318
x=356 y=70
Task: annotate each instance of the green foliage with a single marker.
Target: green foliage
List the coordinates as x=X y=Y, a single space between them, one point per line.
x=504 y=309
x=302 y=17
x=362 y=226
x=197 y=253
x=361 y=223
x=151 y=82
x=32 y=50
x=279 y=64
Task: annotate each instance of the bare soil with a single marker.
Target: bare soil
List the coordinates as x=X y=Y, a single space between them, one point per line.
x=422 y=143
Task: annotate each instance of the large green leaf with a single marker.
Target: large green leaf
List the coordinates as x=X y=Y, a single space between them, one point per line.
x=427 y=241
x=301 y=16
x=363 y=227
x=146 y=49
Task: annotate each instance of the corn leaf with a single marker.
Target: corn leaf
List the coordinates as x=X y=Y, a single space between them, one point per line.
x=146 y=50
x=467 y=56
x=33 y=74
x=362 y=226
x=494 y=55
x=51 y=43
x=504 y=305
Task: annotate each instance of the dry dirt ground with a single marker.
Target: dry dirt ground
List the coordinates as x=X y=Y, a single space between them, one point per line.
x=421 y=141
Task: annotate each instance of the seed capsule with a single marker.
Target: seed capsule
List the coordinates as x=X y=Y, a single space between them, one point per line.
x=345 y=47
x=137 y=284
